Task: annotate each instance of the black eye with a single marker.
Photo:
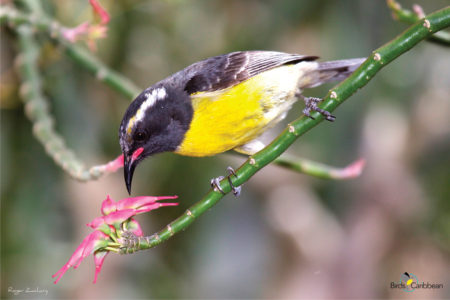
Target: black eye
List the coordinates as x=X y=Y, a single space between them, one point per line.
x=140 y=136
x=175 y=117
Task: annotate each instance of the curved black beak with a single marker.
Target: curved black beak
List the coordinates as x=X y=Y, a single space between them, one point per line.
x=128 y=170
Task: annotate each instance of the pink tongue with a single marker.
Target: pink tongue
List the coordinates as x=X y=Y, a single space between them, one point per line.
x=136 y=153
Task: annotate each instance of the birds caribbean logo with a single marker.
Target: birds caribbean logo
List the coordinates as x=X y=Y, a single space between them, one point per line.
x=222 y=103
x=409 y=280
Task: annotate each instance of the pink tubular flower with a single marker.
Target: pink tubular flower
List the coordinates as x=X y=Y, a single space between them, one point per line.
x=90 y=244
x=90 y=32
x=142 y=202
x=99 y=12
x=114 y=165
x=117 y=218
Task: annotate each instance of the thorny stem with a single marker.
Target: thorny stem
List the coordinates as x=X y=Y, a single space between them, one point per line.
x=37 y=21
x=336 y=96
x=409 y=17
x=37 y=110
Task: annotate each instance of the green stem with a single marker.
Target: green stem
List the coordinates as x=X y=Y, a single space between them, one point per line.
x=409 y=17
x=317 y=169
x=37 y=21
x=37 y=105
x=37 y=110
x=379 y=58
x=320 y=170
x=104 y=74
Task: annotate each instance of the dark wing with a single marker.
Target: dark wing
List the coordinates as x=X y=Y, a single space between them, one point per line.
x=227 y=70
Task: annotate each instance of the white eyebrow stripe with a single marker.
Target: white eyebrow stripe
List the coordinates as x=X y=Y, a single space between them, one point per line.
x=155 y=95
x=151 y=98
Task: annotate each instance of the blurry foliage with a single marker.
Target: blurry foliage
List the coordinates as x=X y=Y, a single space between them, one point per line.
x=237 y=250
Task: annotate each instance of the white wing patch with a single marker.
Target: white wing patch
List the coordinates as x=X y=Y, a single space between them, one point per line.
x=251 y=147
x=151 y=98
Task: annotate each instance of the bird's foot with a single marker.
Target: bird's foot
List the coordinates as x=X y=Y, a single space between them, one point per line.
x=311 y=105
x=215 y=183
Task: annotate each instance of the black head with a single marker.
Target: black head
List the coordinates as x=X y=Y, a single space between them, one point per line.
x=156 y=121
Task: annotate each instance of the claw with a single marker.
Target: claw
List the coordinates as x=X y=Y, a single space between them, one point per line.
x=215 y=183
x=231 y=171
x=235 y=189
x=311 y=104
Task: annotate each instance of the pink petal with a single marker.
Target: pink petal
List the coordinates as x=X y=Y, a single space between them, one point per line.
x=99 y=11
x=137 y=202
x=117 y=217
x=353 y=170
x=108 y=205
x=74 y=259
x=114 y=165
x=156 y=206
x=114 y=218
x=97 y=240
x=87 y=245
x=91 y=32
x=135 y=227
x=96 y=223
x=99 y=258
x=60 y=273
x=73 y=34
x=418 y=10
x=105 y=228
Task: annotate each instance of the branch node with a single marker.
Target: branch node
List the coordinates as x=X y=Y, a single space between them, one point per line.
x=427 y=24
x=95 y=172
x=394 y=16
x=169 y=228
x=25 y=88
x=252 y=161
x=377 y=56
x=395 y=5
x=333 y=95
x=291 y=129
x=156 y=237
x=101 y=74
x=190 y=214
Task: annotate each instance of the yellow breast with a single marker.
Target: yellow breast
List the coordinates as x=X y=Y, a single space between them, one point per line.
x=229 y=118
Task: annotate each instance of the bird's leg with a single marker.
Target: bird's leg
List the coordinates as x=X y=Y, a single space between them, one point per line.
x=311 y=104
x=235 y=189
x=215 y=184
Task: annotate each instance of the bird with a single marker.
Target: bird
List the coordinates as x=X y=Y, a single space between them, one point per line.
x=222 y=103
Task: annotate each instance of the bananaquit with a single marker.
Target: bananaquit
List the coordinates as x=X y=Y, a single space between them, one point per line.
x=221 y=103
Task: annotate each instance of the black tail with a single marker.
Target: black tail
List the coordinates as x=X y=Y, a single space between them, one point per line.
x=337 y=70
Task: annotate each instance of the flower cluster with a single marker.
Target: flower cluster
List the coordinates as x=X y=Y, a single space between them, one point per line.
x=90 y=31
x=110 y=229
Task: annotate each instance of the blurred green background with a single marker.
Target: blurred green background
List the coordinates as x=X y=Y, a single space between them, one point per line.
x=288 y=235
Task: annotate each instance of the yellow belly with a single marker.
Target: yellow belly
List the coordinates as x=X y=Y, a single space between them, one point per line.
x=229 y=118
